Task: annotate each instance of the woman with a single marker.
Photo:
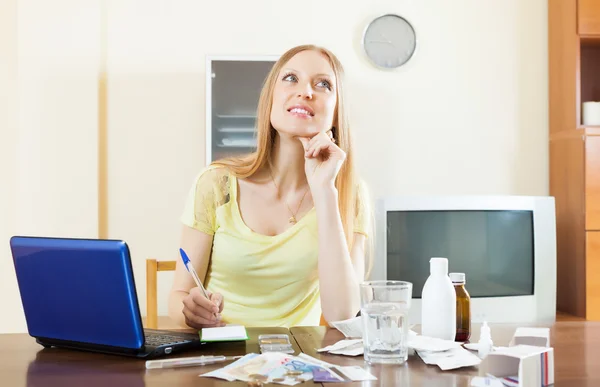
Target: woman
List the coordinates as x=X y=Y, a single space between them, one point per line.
x=279 y=236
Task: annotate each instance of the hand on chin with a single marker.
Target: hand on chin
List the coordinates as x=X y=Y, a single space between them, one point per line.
x=295 y=132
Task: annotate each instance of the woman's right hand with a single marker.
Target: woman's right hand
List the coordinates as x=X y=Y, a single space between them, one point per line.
x=201 y=312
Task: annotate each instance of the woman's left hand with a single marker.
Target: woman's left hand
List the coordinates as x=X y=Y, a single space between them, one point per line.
x=322 y=160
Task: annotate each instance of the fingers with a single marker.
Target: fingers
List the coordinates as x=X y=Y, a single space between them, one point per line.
x=200 y=311
x=321 y=145
x=217 y=299
x=196 y=321
x=202 y=301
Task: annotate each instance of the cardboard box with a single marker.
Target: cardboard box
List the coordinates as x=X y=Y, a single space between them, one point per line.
x=539 y=337
x=531 y=365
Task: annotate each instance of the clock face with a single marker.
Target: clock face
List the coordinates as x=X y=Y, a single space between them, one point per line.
x=389 y=41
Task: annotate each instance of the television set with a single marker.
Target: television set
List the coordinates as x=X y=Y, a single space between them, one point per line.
x=505 y=245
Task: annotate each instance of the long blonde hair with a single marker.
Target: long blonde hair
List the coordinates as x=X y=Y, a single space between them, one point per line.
x=346 y=181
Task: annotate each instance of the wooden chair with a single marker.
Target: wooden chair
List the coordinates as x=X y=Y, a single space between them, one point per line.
x=152 y=268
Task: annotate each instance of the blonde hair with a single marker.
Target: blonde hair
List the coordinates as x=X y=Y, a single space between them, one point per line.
x=346 y=182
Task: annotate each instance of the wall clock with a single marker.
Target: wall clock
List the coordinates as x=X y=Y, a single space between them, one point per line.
x=389 y=41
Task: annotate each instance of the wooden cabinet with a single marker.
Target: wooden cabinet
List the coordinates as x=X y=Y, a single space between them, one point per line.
x=574 y=60
x=593 y=275
x=588 y=14
x=592 y=184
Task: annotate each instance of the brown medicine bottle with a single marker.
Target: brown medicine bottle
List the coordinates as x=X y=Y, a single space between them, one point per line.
x=463 y=307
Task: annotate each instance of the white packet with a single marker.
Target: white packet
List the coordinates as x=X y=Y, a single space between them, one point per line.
x=356 y=373
x=430 y=344
x=339 y=345
x=350 y=328
x=451 y=359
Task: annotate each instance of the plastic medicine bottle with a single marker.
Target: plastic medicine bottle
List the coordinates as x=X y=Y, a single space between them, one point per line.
x=463 y=307
x=438 y=318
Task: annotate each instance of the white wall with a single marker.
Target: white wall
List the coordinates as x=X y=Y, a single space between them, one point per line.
x=467 y=114
x=52 y=136
x=11 y=317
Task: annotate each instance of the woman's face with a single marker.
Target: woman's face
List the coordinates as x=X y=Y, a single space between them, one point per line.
x=304 y=97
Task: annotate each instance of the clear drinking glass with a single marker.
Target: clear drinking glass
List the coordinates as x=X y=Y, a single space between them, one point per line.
x=384 y=310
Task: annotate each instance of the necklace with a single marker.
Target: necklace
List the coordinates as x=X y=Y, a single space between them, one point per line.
x=292 y=219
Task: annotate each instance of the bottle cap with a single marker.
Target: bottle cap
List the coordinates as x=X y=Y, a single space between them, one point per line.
x=438 y=265
x=457 y=278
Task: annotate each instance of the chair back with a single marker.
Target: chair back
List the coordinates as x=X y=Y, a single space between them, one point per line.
x=153 y=266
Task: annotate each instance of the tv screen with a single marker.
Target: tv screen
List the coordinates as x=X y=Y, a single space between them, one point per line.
x=494 y=249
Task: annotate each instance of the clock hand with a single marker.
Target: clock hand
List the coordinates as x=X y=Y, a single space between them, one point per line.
x=380 y=41
x=388 y=40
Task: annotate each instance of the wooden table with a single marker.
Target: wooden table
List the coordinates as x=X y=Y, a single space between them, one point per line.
x=576 y=357
x=25 y=363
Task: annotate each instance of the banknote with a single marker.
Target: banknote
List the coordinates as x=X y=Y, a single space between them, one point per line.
x=298 y=370
x=263 y=364
x=273 y=367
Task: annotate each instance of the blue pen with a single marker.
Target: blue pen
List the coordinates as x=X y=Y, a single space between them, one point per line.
x=190 y=268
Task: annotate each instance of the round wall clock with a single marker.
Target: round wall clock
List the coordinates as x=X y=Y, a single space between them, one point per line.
x=389 y=41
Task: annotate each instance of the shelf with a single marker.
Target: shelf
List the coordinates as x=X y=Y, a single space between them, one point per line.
x=236 y=116
x=236 y=130
x=590 y=41
x=235 y=146
x=590 y=130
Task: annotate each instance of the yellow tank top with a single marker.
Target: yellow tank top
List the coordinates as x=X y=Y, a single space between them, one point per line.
x=265 y=280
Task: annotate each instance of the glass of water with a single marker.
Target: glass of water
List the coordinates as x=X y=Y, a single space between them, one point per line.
x=384 y=310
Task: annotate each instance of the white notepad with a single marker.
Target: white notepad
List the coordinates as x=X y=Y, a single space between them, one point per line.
x=226 y=333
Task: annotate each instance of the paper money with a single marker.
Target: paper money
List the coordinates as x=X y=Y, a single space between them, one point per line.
x=221 y=373
x=272 y=367
x=325 y=375
x=251 y=364
x=301 y=370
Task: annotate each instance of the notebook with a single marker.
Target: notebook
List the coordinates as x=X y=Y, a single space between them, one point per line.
x=226 y=333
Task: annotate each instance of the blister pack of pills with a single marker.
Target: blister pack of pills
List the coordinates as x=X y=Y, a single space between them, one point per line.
x=275 y=343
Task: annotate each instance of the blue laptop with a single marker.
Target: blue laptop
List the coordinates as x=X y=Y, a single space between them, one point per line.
x=80 y=294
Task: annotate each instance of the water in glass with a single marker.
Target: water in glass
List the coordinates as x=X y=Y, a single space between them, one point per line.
x=385 y=332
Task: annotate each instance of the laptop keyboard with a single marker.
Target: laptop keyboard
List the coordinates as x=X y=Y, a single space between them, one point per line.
x=156 y=339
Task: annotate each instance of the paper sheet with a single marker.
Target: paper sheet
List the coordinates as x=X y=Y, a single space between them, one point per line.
x=450 y=359
x=226 y=333
x=350 y=328
x=356 y=373
x=430 y=344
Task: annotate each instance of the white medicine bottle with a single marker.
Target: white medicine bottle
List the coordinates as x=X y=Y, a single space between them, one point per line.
x=486 y=344
x=438 y=302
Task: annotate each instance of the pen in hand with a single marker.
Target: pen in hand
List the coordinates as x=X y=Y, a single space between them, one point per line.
x=190 y=268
